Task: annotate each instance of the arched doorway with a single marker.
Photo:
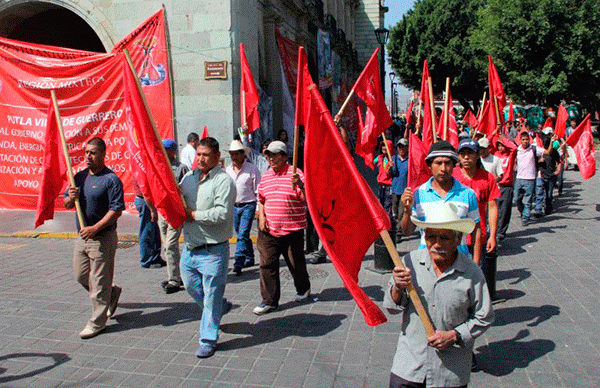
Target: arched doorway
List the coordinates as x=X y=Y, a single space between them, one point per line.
x=50 y=24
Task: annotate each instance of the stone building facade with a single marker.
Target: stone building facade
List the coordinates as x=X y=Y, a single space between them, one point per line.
x=206 y=31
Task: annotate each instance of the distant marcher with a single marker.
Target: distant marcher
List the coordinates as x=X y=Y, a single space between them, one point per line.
x=459 y=305
x=550 y=167
x=149 y=233
x=169 y=235
x=527 y=168
x=505 y=202
x=256 y=158
x=100 y=194
x=246 y=177
x=210 y=195
x=282 y=220
x=490 y=162
x=384 y=176
x=399 y=182
x=188 y=153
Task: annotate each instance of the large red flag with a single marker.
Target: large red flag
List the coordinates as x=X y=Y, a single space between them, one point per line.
x=561 y=121
x=248 y=94
x=582 y=142
x=496 y=89
x=427 y=127
x=418 y=170
x=487 y=122
x=149 y=165
x=368 y=88
x=54 y=176
x=511 y=111
x=470 y=119
x=342 y=209
x=452 y=131
x=409 y=113
x=302 y=94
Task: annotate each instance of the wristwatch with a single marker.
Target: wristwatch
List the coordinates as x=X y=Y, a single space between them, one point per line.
x=459 y=340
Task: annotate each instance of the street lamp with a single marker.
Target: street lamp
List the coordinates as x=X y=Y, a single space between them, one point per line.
x=382 y=36
x=392 y=102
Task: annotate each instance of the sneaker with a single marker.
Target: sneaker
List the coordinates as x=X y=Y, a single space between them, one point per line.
x=227 y=305
x=302 y=297
x=263 y=309
x=158 y=264
x=317 y=259
x=205 y=351
x=237 y=271
x=164 y=283
x=525 y=222
x=89 y=332
x=114 y=300
x=172 y=287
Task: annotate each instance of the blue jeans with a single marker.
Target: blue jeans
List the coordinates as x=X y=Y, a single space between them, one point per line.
x=204 y=274
x=540 y=197
x=524 y=190
x=242 y=223
x=149 y=235
x=547 y=187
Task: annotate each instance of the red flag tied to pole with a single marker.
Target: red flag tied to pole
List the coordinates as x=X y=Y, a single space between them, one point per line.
x=427 y=132
x=470 y=119
x=496 y=89
x=511 y=111
x=203 y=136
x=248 y=95
x=149 y=164
x=409 y=114
x=54 y=176
x=562 y=116
x=418 y=170
x=487 y=123
x=342 y=210
x=378 y=119
x=582 y=142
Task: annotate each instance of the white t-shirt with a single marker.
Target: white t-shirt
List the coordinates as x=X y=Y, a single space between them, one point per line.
x=188 y=153
x=493 y=165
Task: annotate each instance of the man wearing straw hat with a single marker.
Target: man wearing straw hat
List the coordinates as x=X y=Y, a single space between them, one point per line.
x=100 y=193
x=454 y=292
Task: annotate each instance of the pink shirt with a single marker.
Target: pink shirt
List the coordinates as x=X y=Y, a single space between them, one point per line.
x=285 y=209
x=526 y=162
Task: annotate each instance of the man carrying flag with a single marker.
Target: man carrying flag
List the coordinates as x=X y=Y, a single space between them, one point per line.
x=100 y=193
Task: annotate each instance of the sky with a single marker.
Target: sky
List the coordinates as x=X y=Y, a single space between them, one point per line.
x=397 y=8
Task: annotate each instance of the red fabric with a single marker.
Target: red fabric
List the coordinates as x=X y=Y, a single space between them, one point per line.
x=511 y=112
x=204 y=133
x=582 y=142
x=508 y=159
x=368 y=88
x=302 y=95
x=342 y=210
x=54 y=175
x=496 y=89
x=149 y=164
x=418 y=170
x=427 y=127
x=538 y=141
x=452 y=132
x=486 y=189
x=548 y=123
x=409 y=113
x=470 y=119
x=248 y=87
x=561 y=121
x=487 y=123
x=288 y=51
x=382 y=171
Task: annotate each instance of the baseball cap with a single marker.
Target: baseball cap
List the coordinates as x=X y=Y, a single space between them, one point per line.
x=469 y=144
x=277 y=147
x=402 y=142
x=169 y=144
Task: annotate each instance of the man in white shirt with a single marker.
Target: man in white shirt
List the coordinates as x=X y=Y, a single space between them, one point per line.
x=246 y=177
x=188 y=153
x=491 y=163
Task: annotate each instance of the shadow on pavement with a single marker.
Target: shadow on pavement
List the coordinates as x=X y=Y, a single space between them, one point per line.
x=58 y=358
x=277 y=328
x=342 y=294
x=519 y=274
x=536 y=315
x=170 y=314
x=509 y=294
x=503 y=357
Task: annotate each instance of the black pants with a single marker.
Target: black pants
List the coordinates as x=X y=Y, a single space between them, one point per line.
x=504 y=209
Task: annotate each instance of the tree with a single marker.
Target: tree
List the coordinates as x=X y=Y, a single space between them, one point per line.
x=439 y=31
x=545 y=50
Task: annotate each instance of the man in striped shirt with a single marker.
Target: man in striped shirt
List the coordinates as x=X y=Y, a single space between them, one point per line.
x=282 y=220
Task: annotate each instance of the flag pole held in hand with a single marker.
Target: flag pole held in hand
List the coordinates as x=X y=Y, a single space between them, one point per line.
x=67 y=158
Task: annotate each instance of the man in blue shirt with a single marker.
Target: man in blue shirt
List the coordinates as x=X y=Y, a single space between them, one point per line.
x=100 y=193
x=399 y=181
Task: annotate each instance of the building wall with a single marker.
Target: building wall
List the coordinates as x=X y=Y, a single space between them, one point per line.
x=369 y=18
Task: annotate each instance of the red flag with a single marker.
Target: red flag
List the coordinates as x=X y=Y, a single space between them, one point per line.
x=54 y=176
x=418 y=170
x=427 y=132
x=496 y=89
x=368 y=88
x=487 y=123
x=470 y=119
x=302 y=94
x=452 y=132
x=509 y=165
x=342 y=209
x=250 y=92
x=561 y=121
x=149 y=165
x=409 y=113
x=511 y=111
x=538 y=141
x=582 y=142
x=204 y=133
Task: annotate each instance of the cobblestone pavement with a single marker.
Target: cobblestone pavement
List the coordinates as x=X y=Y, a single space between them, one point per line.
x=545 y=333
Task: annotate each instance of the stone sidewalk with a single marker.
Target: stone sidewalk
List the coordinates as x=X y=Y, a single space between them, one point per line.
x=545 y=333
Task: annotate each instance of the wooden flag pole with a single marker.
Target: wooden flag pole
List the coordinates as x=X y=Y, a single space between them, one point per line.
x=446 y=109
x=154 y=128
x=343 y=108
x=387 y=149
x=418 y=129
x=244 y=108
x=63 y=140
x=432 y=110
x=412 y=293
x=480 y=113
x=497 y=109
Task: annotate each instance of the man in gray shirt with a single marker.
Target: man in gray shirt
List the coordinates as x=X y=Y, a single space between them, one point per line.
x=210 y=195
x=453 y=291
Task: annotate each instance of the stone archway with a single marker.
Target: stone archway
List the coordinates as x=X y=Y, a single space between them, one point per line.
x=48 y=23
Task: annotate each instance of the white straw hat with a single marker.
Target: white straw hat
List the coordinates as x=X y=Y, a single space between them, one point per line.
x=444 y=215
x=237 y=145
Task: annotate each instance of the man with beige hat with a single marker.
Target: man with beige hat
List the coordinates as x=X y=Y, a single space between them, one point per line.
x=453 y=290
x=246 y=177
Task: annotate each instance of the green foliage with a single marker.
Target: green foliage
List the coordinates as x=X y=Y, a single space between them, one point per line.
x=545 y=50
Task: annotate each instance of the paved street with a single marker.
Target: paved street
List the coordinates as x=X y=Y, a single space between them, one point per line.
x=545 y=334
